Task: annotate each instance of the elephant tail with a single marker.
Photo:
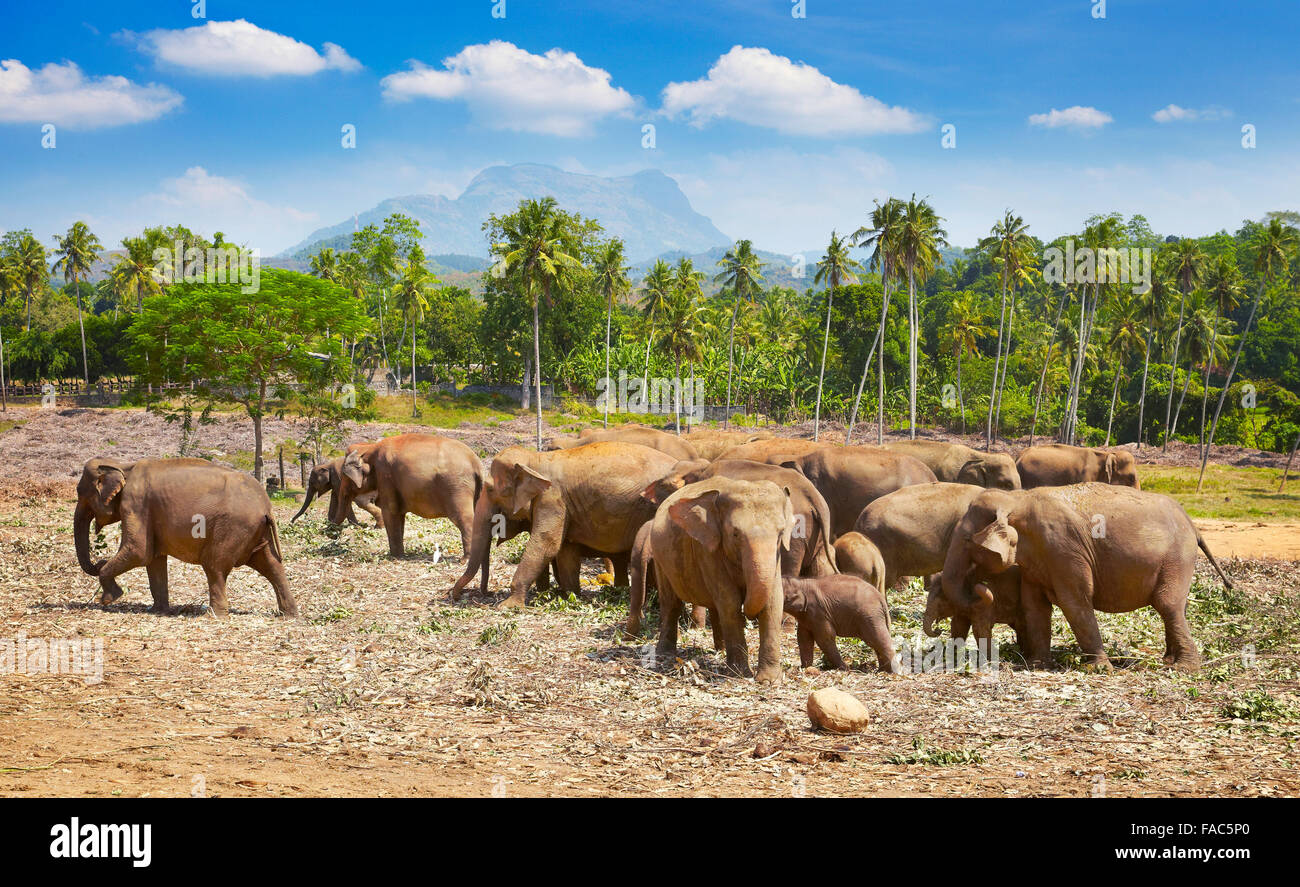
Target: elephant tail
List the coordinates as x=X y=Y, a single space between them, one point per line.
x=274 y=539
x=1227 y=583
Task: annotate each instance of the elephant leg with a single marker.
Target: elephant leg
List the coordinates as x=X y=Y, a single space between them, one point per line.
x=1180 y=649
x=544 y=544
x=373 y=510
x=1037 y=641
x=462 y=516
x=805 y=637
x=266 y=563
x=769 y=641
x=732 y=624
x=877 y=637
x=620 y=563
x=698 y=614
x=395 y=526
x=1075 y=605
x=670 y=611
x=128 y=557
x=716 y=624
x=960 y=628
x=824 y=635
x=568 y=568
x=157 y=569
x=217 y=600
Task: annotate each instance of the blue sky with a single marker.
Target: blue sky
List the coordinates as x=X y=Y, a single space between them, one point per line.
x=778 y=128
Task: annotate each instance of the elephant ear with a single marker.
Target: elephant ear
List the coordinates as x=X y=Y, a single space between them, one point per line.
x=974 y=468
x=994 y=547
x=354 y=469
x=109 y=480
x=527 y=485
x=697 y=515
x=787 y=521
x=1110 y=468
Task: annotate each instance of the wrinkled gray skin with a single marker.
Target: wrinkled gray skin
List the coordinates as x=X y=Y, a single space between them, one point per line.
x=642 y=572
x=1059 y=465
x=857 y=555
x=850 y=478
x=718 y=544
x=677 y=447
x=845 y=606
x=960 y=464
x=188 y=509
x=325 y=476
x=912 y=527
x=1082 y=548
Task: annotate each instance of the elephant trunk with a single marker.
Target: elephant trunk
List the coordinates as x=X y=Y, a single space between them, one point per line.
x=933 y=612
x=761 y=563
x=81 y=533
x=311 y=494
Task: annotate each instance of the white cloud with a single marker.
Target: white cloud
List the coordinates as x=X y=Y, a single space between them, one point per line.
x=507 y=87
x=754 y=86
x=210 y=203
x=1075 y=117
x=63 y=95
x=241 y=48
x=1177 y=114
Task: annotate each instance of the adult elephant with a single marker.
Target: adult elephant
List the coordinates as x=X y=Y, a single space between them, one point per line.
x=960 y=464
x=647 y=437
x=711 y=443
x=913 y=526
x=325 y=476
x=718 y=544
x=1082 y=548
x=851 y=478
x=1059 y=465
x=579 y=502
x=188 y=509
x=422 y=474
x=773 y=449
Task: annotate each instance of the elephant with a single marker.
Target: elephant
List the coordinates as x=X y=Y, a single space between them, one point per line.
x=851 y=478
x=718 y=543
x=1082 y=548
x=811 y=552
x=829 y=606
x=421 y=474
x=859 y=556
x=959 y=464
x=579 y=502
x=325 y=476
x=773 y=450
x=911 y=528
x=711 y=443
x=653 y=438
x=1003 y=589
x=1059 y=465
x=188 y=509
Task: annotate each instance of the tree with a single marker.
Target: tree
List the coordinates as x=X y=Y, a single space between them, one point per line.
x=1273 y=245
x=1009 y=246
x=836 y=267
x=77 y=251
x=536 y=251
x=965 y=328
x=409 y=295
x=1155 y=306
x=1184 y=263
x=1125 y=338
x=919 y=240
x=657 y=287
x=680 y=339
x=29 y=265
x=883 y=235
x=135 y=271
x=1223 y=287
x=610 y=279
x=325 y=265
x=741 y=272
x=244 y=348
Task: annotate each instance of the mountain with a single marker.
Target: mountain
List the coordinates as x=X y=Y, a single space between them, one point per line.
x=647 y=210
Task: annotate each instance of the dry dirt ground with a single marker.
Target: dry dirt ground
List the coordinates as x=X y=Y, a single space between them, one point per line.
x=384 y=687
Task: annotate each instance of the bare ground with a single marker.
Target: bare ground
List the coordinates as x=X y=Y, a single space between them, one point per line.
x=386 y=688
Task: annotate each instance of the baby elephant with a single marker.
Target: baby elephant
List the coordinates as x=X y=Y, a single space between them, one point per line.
x=827 y=606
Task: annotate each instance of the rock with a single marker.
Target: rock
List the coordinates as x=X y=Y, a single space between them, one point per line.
x=837 y=711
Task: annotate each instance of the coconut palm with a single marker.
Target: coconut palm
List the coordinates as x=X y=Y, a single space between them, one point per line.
x=538 y=252
x=919 y=240
x=1126 y=338
x=30 y=265
x=1155 y=306
x=1274 y=245
x=135 y=270
x=741 y=273
x=656 y=288
x=966 y=327
x=1184 y=260
x=1102 y=233
x=77 y=251
x=836 y=267
x=1009 y=246
x=325 y=265
x=409 y=294
x=1223 y=287
x=882 y=236
x=1047 y=357
x=680 y=338
x=610 y=280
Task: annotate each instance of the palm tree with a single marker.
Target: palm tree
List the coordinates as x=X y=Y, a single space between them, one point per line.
x=135 y=270
x=10 y=281
x=77 y=251
x=680 y=338
x=965 y=328
x=658 y=286
x=325 y=265
x=836 y=267
x=1101 y=234
x=30 y=263
x=538 y=250
x=1047 y=359
x=1125 y=338
x=1155 y=307
x=352 y=277
x=1008 y=246
x=919 y=240
x=409 y=295
x=741 y=271
x=1223 y=287
x=886 y=223
x=1273 y=245
x=1184 y=262
x=610 y=280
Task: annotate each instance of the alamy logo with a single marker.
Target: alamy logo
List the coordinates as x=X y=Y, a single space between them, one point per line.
x=657 y=396
x=214 y=265
x=1101 y=265
x=90 y=841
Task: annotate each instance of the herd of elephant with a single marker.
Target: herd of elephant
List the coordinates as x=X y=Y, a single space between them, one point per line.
x=739 y=524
